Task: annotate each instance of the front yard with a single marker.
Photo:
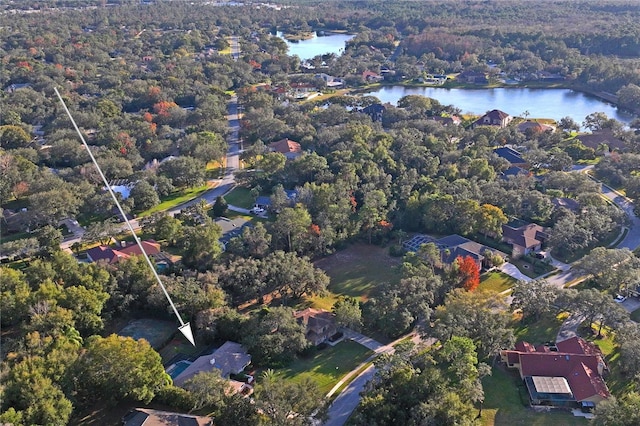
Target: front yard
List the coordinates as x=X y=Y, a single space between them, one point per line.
x=327 y=366
x=496 y=282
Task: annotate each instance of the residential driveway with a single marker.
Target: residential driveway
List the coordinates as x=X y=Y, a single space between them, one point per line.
x=511 y=270
x=569 y=328
x=631 y=304
x=365 y=341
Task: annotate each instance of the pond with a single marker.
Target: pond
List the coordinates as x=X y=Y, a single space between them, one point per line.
x=318 y=45
x=539 y=103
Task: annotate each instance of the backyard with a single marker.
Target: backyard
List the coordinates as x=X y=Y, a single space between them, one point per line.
x=327 y=366
x=503 y=404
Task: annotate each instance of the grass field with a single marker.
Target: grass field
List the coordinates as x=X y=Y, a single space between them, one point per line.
x=327 y=366
x=503 y=405
x=176 y=199
x=358 y=271
x=496 y=282
x=543 y=330
x=532 y=270
x=240 y=197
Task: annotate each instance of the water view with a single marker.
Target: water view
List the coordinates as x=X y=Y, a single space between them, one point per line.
x=540 y=103
x=318 y=45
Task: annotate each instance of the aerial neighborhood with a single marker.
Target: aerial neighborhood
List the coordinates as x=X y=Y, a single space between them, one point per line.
x=319 y=213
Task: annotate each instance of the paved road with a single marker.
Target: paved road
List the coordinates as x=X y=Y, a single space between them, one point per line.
x=347 y=401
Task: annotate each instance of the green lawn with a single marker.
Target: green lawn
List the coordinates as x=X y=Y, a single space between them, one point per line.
x=543 y=330
x=359 y=270
x=503 y=404
x=327 y=366
x=532 y=270
x=240 y=197
x=496 y=282
x=177 y=198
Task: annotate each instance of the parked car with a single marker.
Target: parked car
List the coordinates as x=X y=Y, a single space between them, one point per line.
x=257 y=210
x=620 y=298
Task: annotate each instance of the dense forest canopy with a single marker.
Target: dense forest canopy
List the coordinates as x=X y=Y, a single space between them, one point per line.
x=149 y=84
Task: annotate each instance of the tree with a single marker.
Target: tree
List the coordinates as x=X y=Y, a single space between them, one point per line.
x=292 y=226
x=34 y=397
x=292 y=275
x=238 y=411
x=206 y=146
x=165 y=227
x=13 y=137
x=480 y=316
x=285 y=402
x=184 y=171
x=116 y=368
x=468 y=272
x=489 y=220
x=219 y=207
x=623 y=412
x=348 y=313
x=15 y=294
x=255 y=242
x=208 y=390
x=51 y=206
x=101 y=232
x=144 y=196
x=274 y=337
x=534 y=298
x=201 y=245
x=612 y=269
x=49 y=239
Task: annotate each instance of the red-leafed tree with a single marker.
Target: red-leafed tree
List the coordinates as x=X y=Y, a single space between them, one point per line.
x=469 y=272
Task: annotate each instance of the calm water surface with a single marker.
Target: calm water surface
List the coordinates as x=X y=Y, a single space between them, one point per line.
x=540 y=103
x=307 y=49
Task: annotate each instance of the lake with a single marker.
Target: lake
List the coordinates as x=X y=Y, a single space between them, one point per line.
x=540 y=103
x=307 y=49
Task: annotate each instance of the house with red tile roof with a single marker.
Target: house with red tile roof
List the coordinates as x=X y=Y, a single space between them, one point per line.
x=563 y=375
x=370 y=76
x=290 y=149
x=113 y=255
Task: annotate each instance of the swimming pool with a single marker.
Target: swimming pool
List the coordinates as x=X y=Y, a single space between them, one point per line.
x=174 y=370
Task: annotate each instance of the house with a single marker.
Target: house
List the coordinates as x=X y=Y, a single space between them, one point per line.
x=524 y=239
x=602 y=137
x=566 y=203
x=371 y=77
x=446 y=121
x=515 y=171
x=330 y=80
x=264 y=201
x=374 y=111
x=149 y=417
x=230 y=358
x=124 y=251
x=512 y=156
x=454 y=246
x=494 y=118
x=16 y=86
x=319 y=324
x=563 y=375
x=287 y=147
x=534 y=127
x=473 y=77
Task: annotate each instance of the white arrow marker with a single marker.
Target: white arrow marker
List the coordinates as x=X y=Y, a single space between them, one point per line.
x=184 y=328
